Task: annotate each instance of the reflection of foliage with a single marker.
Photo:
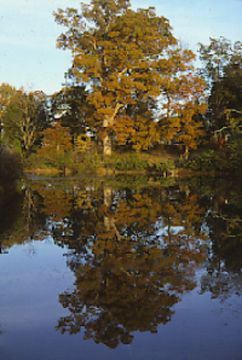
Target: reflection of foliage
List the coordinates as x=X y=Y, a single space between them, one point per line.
x=21 y=219
x=223 y=277
x=128 y=276
x=221 y=284
x=124 y=287
x=56 y=202
x=10 y=205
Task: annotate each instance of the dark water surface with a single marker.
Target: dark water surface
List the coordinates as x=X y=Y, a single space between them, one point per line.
x=127 y=268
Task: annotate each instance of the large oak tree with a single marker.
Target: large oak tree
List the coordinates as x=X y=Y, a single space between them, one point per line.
x=116 y=51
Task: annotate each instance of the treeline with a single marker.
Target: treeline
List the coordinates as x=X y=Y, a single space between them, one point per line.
x=131 y=88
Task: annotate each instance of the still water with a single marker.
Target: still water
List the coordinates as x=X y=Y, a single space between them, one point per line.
x=126 y=268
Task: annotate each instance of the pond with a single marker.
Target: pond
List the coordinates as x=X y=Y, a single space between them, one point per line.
x=121 y=268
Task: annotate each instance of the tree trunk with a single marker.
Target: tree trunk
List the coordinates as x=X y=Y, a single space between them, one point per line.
x=64 y=170
x=107 y=145
x=108 y=122
x=1 y=131
x=186 y=154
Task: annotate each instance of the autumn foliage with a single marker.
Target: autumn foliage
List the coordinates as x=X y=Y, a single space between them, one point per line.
x=56 y=146
x=131 y=88
x=131 y=62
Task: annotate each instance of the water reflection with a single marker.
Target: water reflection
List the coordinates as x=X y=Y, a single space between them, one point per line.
x=134 y=250
x=224 y=220
x=21 y=219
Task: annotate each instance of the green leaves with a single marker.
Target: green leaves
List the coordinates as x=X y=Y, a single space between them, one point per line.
x=23 y=117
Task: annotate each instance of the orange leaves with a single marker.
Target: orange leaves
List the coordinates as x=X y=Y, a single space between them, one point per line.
x=184 y=100
x=83 y=144
x=56 y=202
x=56 y=146
x=57 y=137
x=90 y=65
x=128 y=57
x=116 y=58
x=138 y=132
x=124 y=129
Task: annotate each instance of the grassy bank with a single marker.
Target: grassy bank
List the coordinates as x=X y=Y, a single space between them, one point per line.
x=118 y=163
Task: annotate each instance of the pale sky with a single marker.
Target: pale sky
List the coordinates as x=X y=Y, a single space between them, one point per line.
x=28 y=34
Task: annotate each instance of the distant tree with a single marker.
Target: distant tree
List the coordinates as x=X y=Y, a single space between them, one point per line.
x=226 y=97
x=6 y=93
x=71 y=108
x=56 y=147
x=83 y=144
x=215 y=57
x=222 y=71
x=23 y=118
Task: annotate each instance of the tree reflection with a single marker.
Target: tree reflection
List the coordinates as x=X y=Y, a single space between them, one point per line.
x=129 y=275
x=21 y=219
x=224 y=220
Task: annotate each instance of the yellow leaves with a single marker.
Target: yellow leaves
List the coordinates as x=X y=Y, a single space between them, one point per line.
x=56 y=138
x=57 y=203
x=89 y=64
x=141 y=133
x=83 y=143
x=123 y=129
x=97 y=99
x=113 y=34
x=131 y=56
x=182 y=120
x=203 y=108
x=83 y=200
x=56 y=146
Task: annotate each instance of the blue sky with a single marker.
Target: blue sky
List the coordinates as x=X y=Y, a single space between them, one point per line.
x=28 y=34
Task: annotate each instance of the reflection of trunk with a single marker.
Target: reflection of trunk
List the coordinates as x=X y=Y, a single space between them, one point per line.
x=107 y=145
x=107 y=195
x=29 y=207
x=107 y=199
x=169 y=230
x=109 y=222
